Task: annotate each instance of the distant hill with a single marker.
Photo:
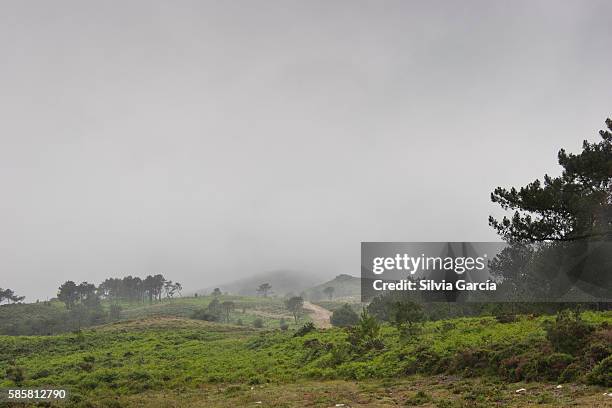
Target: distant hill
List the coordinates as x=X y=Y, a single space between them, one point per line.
x=345 y=286
x=282 y=281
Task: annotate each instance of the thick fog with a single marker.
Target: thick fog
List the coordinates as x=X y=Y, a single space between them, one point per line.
x=214 y=140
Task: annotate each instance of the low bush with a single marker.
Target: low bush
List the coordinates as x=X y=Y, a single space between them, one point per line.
x=602 y=373
x=505 y=318
x=344 y=316
x=204 y=314
x=304 y=330
x=420 y=398
x=568 y=333
x=16 y=374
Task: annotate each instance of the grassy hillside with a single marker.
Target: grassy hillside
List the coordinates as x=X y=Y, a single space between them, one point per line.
x=346 y=287
x=172 y=361
x=34 y=318
x=248 y=308
x=52 y=317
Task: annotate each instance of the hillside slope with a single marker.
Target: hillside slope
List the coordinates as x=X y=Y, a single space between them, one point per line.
x=283 y=282
x=162 y=361
x=346 y=287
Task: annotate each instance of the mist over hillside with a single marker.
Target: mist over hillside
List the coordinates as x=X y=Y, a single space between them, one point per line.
x=282 y=282
x=344 y=287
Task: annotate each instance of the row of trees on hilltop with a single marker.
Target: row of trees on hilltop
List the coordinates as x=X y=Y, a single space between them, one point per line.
x=9 y=296
x=129 y=288
x=136 y=289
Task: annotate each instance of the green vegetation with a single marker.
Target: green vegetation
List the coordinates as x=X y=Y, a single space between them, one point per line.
x=52 y=317
x=344 y=316
x=172 y=354
x=228 y=350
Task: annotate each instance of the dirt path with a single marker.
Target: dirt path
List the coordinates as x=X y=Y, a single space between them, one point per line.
x=320 y=316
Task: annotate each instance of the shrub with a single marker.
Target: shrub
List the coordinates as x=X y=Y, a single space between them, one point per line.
x=139 y=375
x=426 y=360
x=41 y=374
x=344 y=316
x=470 y=360
x=571 y=373
x=204 y=314
x=283 y=325
x=86 y=366
x=599 y=347
x=258 y=323
x=553 y=365
x=520 y=367
x=106 y=375
x=537 y=366
x=568 y=333
x=366 y=335
x=419 y=398
x=16 y=374
x=602 y=373
x=405 y=315
x=339 y=354
x=505 y=318
x=305 y=329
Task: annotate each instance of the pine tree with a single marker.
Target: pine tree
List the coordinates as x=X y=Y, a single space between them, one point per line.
x=574 y=206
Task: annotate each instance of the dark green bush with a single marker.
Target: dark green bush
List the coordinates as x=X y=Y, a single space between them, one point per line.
x=427 y=361
x=420 y=398
x=344 y=316
x=568 y=333
x=599 y=347
x=16 y=374
x=258 y=323
x=41 y=374
x=305 y=329
x=602 y=373
x=572 y=372
x=366 y=335
x=470 y=361
x=553 y=365
x=506 y=318
x=204 y=314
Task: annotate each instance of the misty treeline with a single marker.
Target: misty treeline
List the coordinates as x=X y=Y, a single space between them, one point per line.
x=554 y=223
x=83 y=304
x=9 y=295
x=129 y=289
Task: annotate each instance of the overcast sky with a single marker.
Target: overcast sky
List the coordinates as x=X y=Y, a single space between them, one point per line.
x=213 y=140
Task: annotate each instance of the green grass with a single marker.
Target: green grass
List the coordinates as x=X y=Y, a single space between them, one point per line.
x=270 y=309
x=175 y=355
